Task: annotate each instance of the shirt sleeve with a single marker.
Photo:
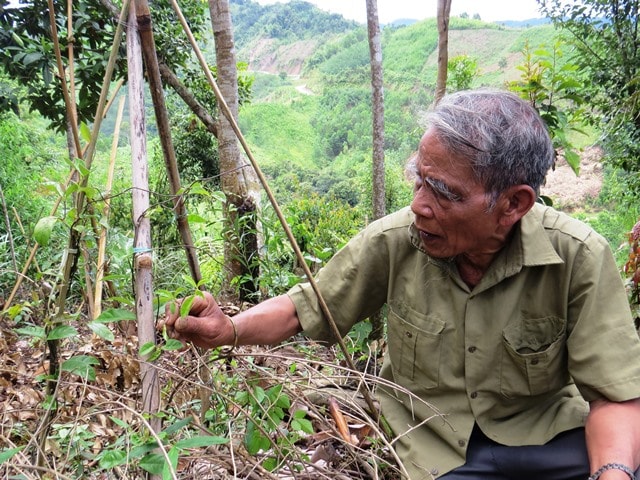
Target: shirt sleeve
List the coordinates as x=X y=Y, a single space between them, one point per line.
x=603 y=344
x=353 y=284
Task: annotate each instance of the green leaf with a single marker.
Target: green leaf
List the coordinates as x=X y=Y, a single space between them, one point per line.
x=81 y=365
x=201 y=441
x=120 y=423
x=85 y=132
x=7 y=454
x=101 y=330
x=141 y=450
x=62 y=331
x=185 y=307
x=259 y=393
x=17 y=39
x=194 y=218
x=113 y=458
x=302 y=424
x=254 y=440
x=270 y=464
x=115 y=315
x=173 y=455
x=176 y=426
x=43 y=229
x=198 y=189
x=173 y=344
x=32 y=331
x=153 y=463
x=150 y=351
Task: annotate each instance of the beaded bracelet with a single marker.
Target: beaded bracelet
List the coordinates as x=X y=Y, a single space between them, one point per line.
x=613 y=466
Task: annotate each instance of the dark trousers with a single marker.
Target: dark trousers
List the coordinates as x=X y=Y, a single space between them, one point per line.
x=563 y=458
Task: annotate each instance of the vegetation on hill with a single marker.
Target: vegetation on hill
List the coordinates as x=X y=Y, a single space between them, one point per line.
x=284 y=22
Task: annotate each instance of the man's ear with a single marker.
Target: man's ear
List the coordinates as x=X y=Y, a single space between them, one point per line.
x=515 y=202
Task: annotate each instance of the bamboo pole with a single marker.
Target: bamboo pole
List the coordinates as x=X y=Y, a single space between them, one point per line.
x=147 y=41
x=143 y=260
x=102 y=239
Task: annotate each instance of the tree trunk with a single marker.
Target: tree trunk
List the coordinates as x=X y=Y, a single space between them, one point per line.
x=377 y=89
x=377 y=108
x=237 y=177
x=444 y=8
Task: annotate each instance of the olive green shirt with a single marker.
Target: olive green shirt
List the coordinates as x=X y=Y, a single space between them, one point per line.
x=547 y=328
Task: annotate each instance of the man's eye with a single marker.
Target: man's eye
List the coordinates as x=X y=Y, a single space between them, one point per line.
x=440 y=190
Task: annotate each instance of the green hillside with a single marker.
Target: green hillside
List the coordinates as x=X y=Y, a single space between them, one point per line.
x=311 y=104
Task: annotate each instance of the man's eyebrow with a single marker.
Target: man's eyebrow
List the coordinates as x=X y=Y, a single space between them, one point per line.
x=442 y=188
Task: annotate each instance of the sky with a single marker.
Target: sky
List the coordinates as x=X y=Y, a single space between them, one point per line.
x=390 y=10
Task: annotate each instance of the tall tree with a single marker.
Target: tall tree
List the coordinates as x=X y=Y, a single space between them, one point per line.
x=377 y=108
x=444 y=9
x=237 y=176
x=377 y=90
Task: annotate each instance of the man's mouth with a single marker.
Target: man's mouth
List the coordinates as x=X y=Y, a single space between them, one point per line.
x=427 y=236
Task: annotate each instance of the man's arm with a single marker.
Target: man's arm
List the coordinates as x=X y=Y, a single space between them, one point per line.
x=206 y=325
x=613 y=436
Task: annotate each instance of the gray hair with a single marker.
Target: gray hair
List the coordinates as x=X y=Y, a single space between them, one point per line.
x=504 y=138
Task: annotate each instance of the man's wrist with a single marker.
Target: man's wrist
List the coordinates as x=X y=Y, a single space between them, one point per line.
x=619 y=468
x=234 y=342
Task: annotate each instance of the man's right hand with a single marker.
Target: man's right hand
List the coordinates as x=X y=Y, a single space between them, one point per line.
x=205 y=325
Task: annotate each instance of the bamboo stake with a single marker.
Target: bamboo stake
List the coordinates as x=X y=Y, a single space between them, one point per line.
x=61 y=74
x=164 y=131
x=143 y=260
x=147 y=41
x=102 y=239
x=294 y=244
x=71 y=66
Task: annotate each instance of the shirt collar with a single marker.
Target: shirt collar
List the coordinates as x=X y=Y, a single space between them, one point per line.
x=529 y=246
x=535 y=245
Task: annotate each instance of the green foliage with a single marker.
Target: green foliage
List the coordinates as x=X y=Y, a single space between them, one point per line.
x=27 y=51
x=405 y=52
x=289 y=22
x=605 y=34
x=554 y=88
x=343 y=121
x=320 y=225
x=280 y=135
x=462 y=70
x=268 y=410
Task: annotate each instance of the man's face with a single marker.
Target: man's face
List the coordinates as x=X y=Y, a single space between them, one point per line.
x=451 y=207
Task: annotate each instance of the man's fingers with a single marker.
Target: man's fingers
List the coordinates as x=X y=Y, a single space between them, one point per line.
x=201 y=303
x=190 y=325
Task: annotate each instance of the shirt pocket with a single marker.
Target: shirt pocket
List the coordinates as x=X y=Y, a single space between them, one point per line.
x=415 y=343
x=534 y=359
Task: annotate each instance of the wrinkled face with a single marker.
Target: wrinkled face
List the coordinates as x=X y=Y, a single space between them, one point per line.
x=450 y=206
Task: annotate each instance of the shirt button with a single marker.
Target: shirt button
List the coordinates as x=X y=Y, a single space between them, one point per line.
x=474 y=395
x=472 y=349
x=535 y=361
x=408 y=334
x=461 y=443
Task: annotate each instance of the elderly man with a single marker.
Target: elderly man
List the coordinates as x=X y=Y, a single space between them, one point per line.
x=508 y=318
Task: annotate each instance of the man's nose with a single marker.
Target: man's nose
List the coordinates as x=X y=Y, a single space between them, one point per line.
x=420 y=205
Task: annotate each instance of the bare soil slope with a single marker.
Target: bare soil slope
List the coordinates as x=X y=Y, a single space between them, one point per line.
x=570 y=192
